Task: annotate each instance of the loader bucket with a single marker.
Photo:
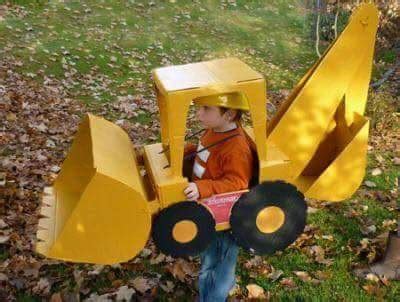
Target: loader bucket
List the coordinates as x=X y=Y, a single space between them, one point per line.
x=96 y=211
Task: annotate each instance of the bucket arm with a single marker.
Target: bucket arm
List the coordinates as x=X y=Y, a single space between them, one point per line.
x=330 y=98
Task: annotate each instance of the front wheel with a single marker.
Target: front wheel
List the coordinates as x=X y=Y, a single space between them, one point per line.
x=183 y=229
x=269 y=217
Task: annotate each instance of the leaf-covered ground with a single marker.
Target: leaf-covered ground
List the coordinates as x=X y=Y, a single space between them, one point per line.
x=60 y=60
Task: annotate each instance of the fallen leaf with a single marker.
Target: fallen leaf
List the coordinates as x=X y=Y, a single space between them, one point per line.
x=56 y=298
x=50 y=143
x=376 y=172
x=368 y=229
x=319 y=255
x=371 y=289
x=167 y=286
x=387 y=223
x=145 y=253
x=94 y=297
x=379 y=158
x=372 y=277
x=41 y=127
x=141 y=284
x=303 y=276
x=24 y=138
x=2 y=179
x=4 y=239
x=370 y=184
x=364 y=243
x=181 y=268
x=275 y=275
x=32 y=269
x=11 y=117
x=322 y=275
x=385 y=280
x=55 y=168
x=288 y=282
x=160 y=258
x=328 y=237
x=97 y=269
x=42 y=287
x=255 y=291
x=3 y=277
x=311 y=210
x=124 y=293
x=78 y=277
x=253 y=262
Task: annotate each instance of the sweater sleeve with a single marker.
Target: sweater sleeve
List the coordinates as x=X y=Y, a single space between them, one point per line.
x=237 y=172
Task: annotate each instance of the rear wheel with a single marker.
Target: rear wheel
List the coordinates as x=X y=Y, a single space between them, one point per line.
x=269 y=217
x=183 y=229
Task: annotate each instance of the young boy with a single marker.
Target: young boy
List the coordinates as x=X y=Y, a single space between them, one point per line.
x=225 y=166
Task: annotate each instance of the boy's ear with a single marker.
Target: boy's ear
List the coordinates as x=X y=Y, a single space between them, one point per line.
x=231 y=114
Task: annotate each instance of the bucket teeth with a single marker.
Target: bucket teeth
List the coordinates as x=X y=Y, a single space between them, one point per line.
x=39 y=227
x=42 y=247
x=42 y=244
x=47 y=201
x=48 y=191
x=48 y=197
x=46 y=211
x=45 y=228
x=43 y=235
x=44 y=223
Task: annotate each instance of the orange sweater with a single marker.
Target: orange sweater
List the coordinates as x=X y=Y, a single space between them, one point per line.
x=225 y=167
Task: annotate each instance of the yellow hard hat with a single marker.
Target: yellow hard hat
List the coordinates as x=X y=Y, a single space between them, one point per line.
x=228 y=100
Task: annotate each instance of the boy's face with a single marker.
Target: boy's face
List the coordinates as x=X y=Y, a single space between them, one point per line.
x=212 y=117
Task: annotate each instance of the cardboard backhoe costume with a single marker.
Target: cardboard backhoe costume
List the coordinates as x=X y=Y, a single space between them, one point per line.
x=102 y=209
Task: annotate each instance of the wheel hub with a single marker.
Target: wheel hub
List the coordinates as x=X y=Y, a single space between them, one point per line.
x=270 y=219
x=184 y=231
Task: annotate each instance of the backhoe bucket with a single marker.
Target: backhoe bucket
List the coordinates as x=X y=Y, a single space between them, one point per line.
x=97 y=211
x=344 y=175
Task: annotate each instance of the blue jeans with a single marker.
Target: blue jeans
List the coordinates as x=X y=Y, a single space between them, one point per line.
x=217 y=273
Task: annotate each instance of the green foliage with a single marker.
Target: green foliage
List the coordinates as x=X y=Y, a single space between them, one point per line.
x=123 y=41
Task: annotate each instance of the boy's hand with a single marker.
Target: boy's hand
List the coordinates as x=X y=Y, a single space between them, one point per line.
x=192 y=192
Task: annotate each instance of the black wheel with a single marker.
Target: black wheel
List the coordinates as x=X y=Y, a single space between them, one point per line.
x=269 y=217
x=183 y=229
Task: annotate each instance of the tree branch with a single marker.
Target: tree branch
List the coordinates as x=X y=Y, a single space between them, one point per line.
x=317 y=29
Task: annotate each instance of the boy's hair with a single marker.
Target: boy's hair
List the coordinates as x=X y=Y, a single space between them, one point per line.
x=238 y=114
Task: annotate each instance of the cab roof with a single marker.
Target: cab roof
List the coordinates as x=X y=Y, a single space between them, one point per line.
x=202 y=74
